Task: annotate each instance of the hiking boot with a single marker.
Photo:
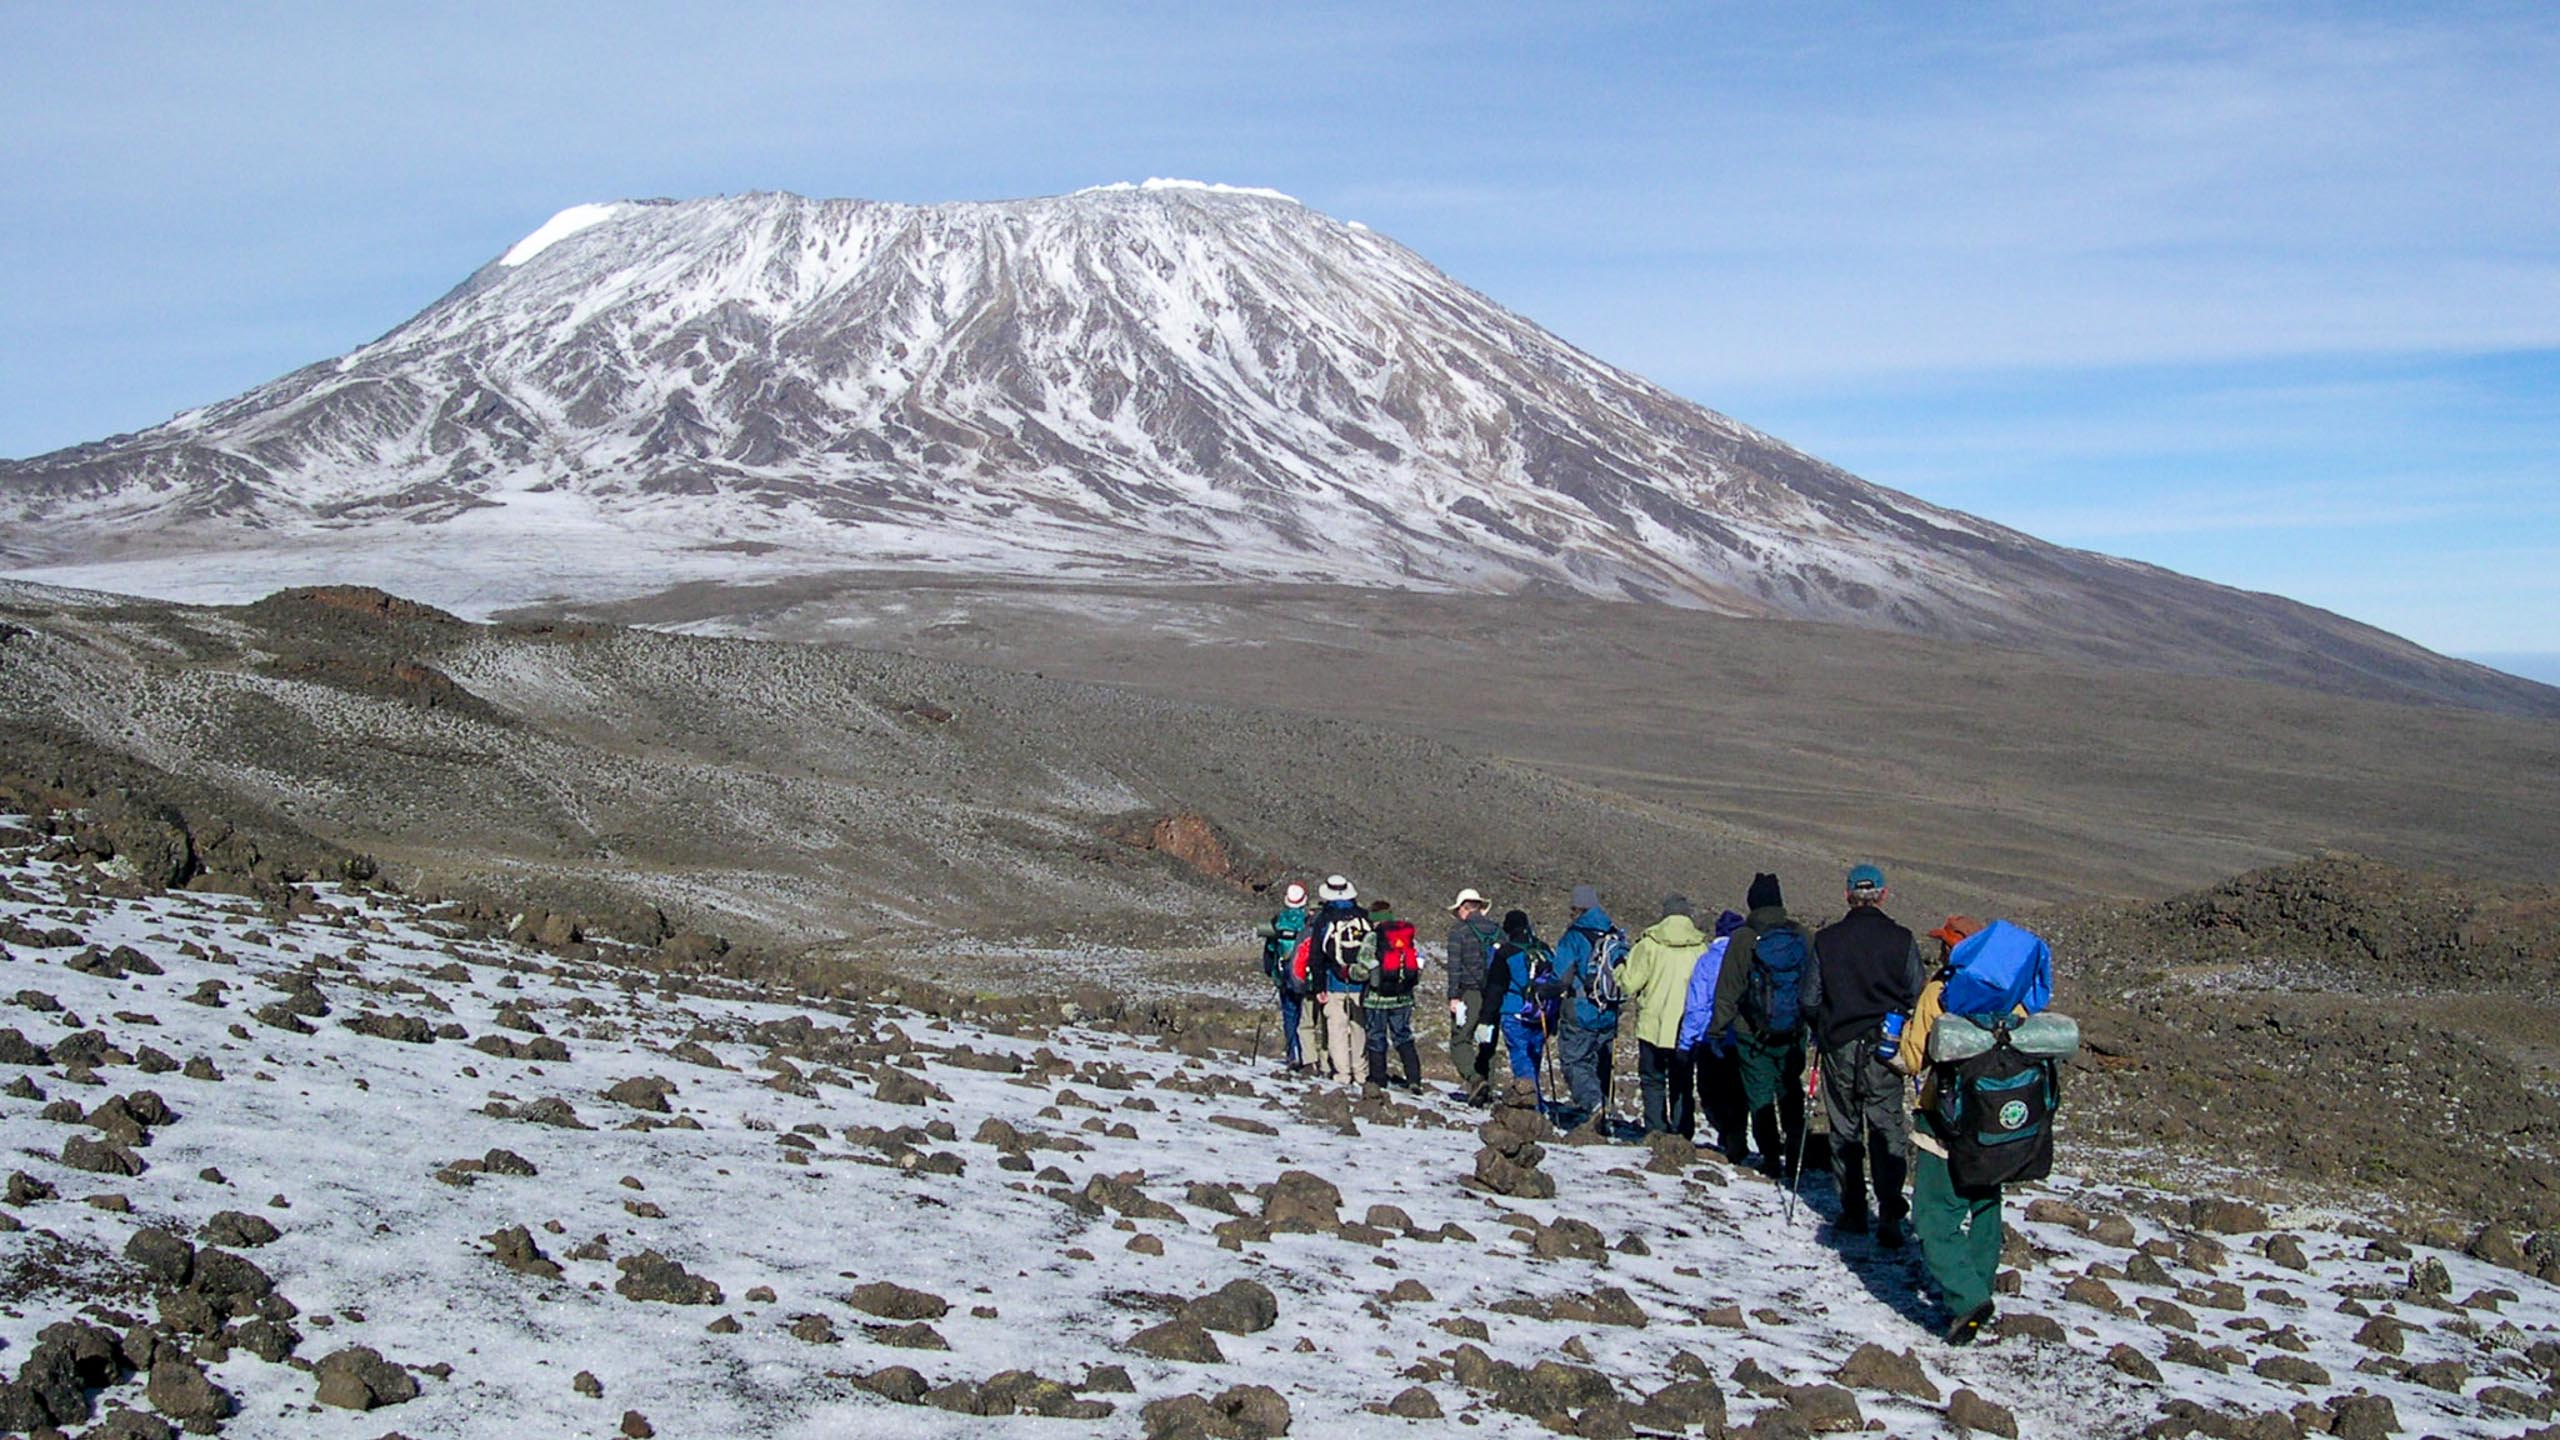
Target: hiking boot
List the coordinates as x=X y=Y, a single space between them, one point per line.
x=1969 y=1324
x=1889 y=1234
x=1852 y=1222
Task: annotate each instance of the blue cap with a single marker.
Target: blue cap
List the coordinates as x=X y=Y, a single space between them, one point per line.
x=1866 y=877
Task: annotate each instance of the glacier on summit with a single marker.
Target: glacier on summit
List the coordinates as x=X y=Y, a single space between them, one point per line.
x=556 y=229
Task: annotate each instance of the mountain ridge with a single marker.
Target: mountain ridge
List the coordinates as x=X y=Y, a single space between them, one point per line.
x=1165 y=381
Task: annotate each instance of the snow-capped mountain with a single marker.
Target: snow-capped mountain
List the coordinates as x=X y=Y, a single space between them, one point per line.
x=1165 y=382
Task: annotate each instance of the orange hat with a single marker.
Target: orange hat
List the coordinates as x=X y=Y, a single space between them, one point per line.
x=1955 y=930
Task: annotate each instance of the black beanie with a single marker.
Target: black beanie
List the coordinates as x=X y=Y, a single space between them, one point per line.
x=1764 y=891
x=1515 y=923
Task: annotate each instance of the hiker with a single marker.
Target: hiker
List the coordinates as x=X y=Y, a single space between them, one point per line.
x=1656 y=981
x=1989 y=1056
x=1759 y=1009
x=1712 y=1060
x=1521 y=995
x=1389 y=970
x=1865 y=967
x=1280 y=935
x=1336 y=935
x=1470 y=944
x=1588 y=954
x=1959 y=1230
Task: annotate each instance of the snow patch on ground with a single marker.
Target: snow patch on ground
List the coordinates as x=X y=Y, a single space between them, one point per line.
x=348 y=1133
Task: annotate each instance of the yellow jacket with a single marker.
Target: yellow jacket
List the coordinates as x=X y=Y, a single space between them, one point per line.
x=1656 y=977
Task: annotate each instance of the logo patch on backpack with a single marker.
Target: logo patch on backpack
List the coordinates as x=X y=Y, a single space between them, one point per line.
x=2013 y=1115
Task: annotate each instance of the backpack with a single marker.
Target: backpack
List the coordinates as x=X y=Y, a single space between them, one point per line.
x=1278 y=948
x=1596 y=980
x=1772 y=1003
x=1994 y=1114
x=1535 y=981
x=2000 y=968
x=1298 y=973
x=1399 y=964
x=1343 y=938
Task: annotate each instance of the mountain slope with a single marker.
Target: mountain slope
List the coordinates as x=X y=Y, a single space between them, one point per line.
x=1159 y=382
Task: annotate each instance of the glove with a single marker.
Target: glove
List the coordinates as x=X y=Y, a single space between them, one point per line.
x=1457 y=1009
x=1484 y=1034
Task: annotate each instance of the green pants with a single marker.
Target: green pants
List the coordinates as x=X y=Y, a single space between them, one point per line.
x=1959 y=1232
x=1770 y=1073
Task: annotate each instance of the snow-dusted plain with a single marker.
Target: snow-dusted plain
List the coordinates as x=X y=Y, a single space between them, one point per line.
x=779 y=1187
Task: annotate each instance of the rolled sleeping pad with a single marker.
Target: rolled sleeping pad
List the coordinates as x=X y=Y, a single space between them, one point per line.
x=2045 y=1034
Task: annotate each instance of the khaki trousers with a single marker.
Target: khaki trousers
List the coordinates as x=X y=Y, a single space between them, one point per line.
x=1346 y=1045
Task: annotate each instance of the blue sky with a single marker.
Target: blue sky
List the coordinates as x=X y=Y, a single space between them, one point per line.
x=2266 y=293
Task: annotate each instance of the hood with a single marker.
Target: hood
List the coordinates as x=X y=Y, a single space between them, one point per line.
x=1765 y=918
x=1680 y=932
x=1595 y=918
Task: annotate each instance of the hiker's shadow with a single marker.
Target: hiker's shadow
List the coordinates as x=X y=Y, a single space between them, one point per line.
x=1891 y=1276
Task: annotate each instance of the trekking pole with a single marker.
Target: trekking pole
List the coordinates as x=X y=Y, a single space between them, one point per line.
x=1794 y=1164
x=1609 y=1092
x=1547 y=1062
x=1258 y=1032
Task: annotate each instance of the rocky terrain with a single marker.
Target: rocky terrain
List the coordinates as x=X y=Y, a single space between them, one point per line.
x=2339 y=1023
x=789 y=794
x=1170 y=383
x=2018 y=774
x=329 y=1162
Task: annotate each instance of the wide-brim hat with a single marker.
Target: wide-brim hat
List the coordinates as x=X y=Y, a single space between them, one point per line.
x=1465 y=898
x=1336 y=887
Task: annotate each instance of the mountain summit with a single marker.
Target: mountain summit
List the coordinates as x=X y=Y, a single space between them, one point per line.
x=1169 y=382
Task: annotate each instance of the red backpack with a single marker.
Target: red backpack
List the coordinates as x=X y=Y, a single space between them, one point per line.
x=1399 y=964
x=1300 y=967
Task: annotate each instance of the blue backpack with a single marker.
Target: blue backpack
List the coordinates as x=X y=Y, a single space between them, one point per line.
x=2001 y=968
x=1772 y=996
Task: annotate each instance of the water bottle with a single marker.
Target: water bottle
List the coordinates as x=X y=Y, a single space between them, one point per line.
x=1891 y=1045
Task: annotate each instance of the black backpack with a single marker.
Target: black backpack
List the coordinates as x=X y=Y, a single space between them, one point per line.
x=1343 y=937
x=1994 y=1114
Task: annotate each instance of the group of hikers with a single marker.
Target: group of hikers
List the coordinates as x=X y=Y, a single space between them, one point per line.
x=1737 y=1022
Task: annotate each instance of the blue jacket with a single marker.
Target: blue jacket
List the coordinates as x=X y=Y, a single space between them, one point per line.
x=1702 y=997
x=1573 y=957
x=1506 y=978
